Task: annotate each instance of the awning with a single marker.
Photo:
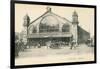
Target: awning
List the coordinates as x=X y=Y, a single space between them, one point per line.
x=46 y=35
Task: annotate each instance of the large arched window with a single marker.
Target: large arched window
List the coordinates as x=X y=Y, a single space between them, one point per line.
x=47 y=28
x=32 y=29
x=42 y=28
x=66 y=28
x=49 y=24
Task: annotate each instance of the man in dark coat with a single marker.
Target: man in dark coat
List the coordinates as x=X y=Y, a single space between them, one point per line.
x=16 y=48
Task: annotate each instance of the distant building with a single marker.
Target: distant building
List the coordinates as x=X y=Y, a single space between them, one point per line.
x=51 y=26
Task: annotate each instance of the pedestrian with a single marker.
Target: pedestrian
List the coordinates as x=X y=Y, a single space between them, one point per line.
x=72 y=44
x=48 y=44
x=21 y=45
x=16 y=48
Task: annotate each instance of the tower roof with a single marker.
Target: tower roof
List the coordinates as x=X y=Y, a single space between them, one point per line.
x=75 y=13
x=26 y=16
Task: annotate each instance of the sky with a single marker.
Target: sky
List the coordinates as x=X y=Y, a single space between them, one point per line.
x=85 y=15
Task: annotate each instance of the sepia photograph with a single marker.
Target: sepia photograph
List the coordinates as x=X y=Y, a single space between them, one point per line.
x=52 y=34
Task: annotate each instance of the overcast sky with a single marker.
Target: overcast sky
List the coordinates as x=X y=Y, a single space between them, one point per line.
x=85 y=15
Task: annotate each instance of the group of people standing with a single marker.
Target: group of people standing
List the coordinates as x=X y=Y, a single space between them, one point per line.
x=21 y=46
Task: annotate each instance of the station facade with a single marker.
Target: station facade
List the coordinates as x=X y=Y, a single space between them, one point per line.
x=54 y=28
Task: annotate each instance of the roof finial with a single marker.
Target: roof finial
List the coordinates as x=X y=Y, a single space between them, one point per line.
x=48 y=9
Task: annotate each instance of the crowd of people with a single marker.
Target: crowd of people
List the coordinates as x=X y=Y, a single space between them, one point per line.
x=54 y=44
x=19 y=46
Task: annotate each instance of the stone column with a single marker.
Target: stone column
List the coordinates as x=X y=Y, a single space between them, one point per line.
x=75 y=33
x=37 y=28
x=60 y=28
